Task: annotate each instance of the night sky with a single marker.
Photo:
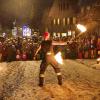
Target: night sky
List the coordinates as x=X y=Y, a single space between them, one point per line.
x=86 y=2
x=26 y=11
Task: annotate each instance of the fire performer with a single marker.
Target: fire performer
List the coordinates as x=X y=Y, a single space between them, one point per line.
x=46 y=48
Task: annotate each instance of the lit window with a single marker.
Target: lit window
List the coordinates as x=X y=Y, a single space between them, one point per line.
x=64 y=34
x=54 y=21
x=74 y=20
x=58 y=21
x=68 y=20
x=64 y=21
x=69 y=33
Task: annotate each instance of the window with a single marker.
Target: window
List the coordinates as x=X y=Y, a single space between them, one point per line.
x=64 y=21
x=74 y=20
x=54 y=21
x=58 y=21
x=68 y=20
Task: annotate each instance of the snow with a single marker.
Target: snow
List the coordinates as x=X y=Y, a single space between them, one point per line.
x=19 y=81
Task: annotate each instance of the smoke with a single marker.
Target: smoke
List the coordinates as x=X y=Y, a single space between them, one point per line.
x=91 y=25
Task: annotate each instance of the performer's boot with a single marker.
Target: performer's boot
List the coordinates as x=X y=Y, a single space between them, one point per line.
x=59 y=79
x=41 y=81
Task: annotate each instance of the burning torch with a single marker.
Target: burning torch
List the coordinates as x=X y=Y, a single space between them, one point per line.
x=58 y=58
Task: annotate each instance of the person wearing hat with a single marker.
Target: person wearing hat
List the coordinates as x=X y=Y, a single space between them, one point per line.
x=46 y=48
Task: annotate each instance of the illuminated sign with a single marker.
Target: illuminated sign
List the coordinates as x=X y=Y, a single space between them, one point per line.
x=26 y=31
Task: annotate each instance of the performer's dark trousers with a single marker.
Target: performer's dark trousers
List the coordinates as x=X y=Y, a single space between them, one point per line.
x=45 y=62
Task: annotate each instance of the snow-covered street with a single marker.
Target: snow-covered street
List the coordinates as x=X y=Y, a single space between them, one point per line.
x=19 y=81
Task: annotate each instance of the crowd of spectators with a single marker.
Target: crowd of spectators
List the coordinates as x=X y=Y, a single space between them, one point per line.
x=81 y=48
x=23 y=48
x=19 y=48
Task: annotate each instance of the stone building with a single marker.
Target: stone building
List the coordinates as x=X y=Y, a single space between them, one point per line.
x=61 y=18
x=90 y=16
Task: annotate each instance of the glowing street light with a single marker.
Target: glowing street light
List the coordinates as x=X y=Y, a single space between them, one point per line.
x=81 y=28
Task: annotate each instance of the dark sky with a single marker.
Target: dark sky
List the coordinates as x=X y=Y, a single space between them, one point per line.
x=26 y=11
x=86 y=2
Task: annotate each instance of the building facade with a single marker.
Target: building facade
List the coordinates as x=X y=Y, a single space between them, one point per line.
x=90 y=16
x=61 y=19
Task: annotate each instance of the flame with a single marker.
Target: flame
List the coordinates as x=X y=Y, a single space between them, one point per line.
x=98 y=59
x=81 y=28
x=59 y=58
